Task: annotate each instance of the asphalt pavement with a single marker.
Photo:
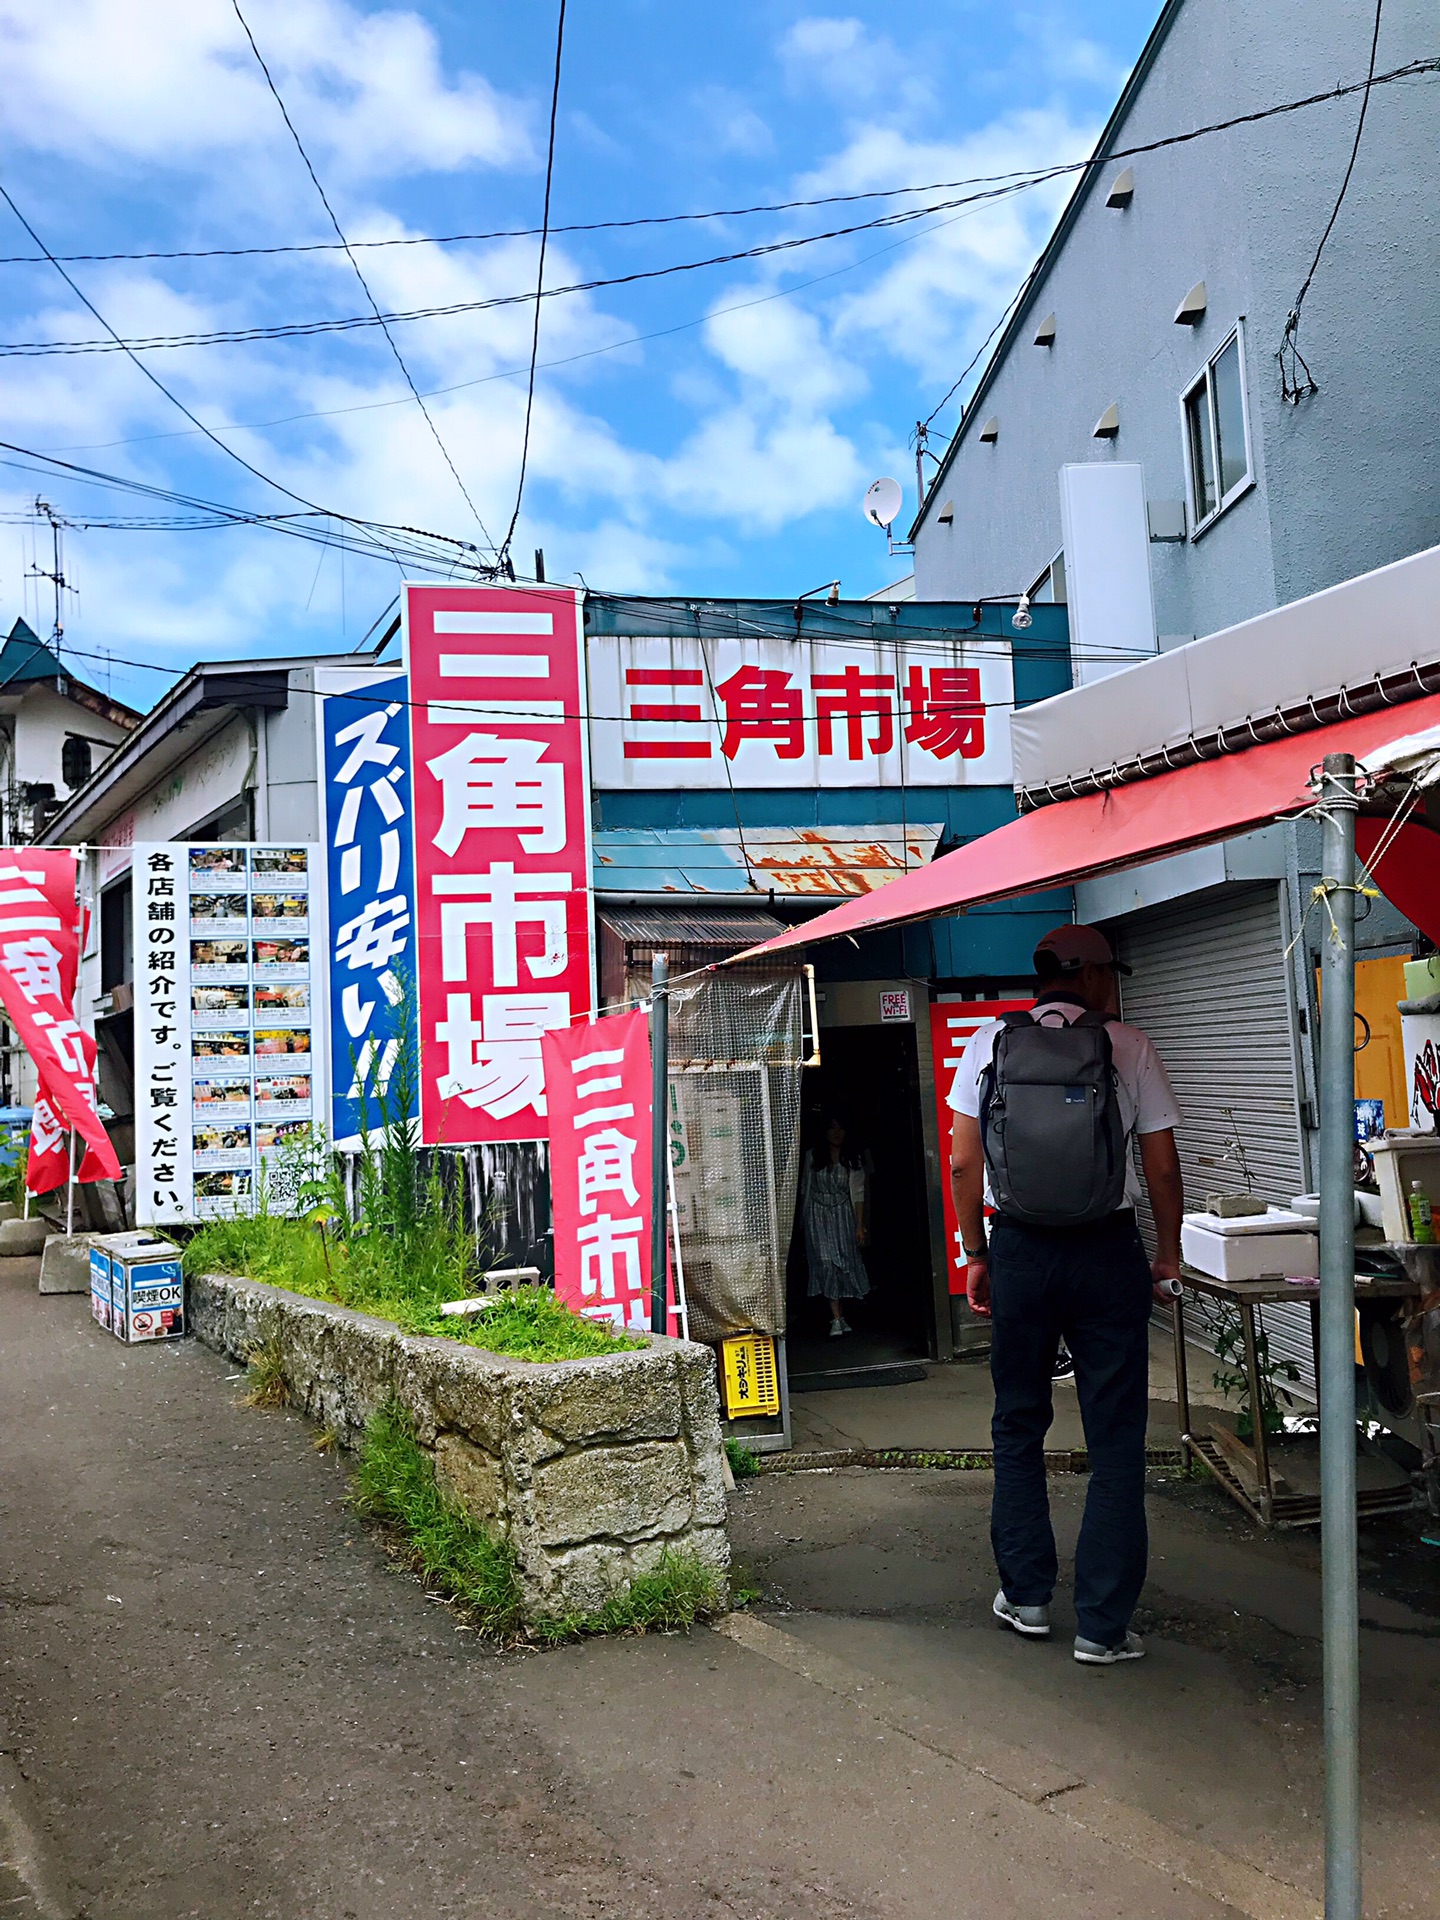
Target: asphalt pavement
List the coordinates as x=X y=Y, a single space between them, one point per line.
x=217 y=1699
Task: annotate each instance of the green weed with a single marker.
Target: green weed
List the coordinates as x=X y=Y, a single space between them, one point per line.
x=268 y=1386
x=744 y=1461
x=395 y=1484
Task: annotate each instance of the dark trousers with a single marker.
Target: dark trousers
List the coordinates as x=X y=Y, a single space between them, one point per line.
x=1091 y=1285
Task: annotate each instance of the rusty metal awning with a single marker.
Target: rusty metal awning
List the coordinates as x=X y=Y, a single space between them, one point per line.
x=723 y=929
x=808 y=862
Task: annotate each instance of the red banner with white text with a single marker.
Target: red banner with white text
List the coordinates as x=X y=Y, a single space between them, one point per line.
x=953 y=1020
x=597 y=1080
x=39 y=963
x=502 y=849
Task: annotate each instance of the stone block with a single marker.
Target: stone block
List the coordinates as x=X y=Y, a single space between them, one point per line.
x=626 y=1493
x=591 y=1468
x=20 y=1269
x=19 y=1237
x=635 y=1396
x=472 y=1478
x=65 y=1264
x=9 y=1210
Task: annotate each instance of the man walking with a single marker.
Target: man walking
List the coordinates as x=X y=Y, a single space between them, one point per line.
x=1047 y=1106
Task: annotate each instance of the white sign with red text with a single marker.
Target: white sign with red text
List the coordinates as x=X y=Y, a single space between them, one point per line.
x=762 y=712
x=505 y=949
x=601 y=1160
x=953 y=1022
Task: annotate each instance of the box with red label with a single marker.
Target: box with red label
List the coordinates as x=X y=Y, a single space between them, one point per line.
x=146 y=1293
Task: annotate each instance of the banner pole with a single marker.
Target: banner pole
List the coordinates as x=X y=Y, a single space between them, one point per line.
x=660 y=1139
x=70 y=1189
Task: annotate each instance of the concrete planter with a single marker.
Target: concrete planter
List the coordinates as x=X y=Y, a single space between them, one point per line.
x=590 y=1468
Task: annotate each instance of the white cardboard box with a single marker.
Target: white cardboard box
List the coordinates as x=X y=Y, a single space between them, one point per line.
x=1248 y=1256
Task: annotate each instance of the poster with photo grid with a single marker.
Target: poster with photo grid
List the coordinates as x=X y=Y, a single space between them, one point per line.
x=229 y=1024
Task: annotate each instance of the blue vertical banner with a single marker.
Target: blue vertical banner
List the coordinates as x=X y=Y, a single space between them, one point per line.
x=366 y=797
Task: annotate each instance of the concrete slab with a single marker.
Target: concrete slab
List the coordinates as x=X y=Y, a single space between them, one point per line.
x=23 y=1236
x=20 y=1269
x=951 y=1408
x=65 y=1264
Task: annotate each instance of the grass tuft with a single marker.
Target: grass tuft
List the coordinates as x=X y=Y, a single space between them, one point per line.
x=744 y=1461
x=395 y=1484
x=268 y=1386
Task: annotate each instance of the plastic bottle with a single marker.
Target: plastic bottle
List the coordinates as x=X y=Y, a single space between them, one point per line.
x=1422 y=1227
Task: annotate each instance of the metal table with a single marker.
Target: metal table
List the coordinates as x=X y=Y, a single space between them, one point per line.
x=1247 y=1469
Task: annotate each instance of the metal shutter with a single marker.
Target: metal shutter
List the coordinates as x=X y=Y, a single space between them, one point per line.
x=1210 y=989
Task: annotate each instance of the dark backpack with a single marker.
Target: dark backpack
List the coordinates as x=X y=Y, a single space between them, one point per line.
x=1050 y=1122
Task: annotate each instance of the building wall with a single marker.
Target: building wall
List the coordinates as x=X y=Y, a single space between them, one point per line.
x=1344 y=481
x=41 y=724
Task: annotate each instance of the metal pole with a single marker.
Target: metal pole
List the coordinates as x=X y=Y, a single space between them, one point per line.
x=70 y=1189
x=1339 y=1571
x=660 y=1135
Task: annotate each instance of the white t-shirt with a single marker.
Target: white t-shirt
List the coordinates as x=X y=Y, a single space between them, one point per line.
x=1146 y=1102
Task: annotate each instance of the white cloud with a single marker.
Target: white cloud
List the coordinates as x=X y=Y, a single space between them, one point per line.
x=174 y=82
x=840 y=57
x=722 y=121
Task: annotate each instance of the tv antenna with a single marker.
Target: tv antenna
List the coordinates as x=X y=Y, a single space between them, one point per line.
x=882 y=503
x=55 y=572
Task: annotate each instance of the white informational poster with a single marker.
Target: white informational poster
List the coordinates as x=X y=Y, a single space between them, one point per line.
x=909 y=711
x=230 y=1024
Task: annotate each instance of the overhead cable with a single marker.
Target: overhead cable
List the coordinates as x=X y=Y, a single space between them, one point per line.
x=1411 y=70
x=504 y=555
x=364 y=284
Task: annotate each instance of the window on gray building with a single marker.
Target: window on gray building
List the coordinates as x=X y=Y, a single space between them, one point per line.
x=1217 y=437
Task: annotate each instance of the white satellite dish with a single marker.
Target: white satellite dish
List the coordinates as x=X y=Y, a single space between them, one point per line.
x=883 y=500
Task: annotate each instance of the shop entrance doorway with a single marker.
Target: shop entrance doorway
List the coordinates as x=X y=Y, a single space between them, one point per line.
x=869 y=1081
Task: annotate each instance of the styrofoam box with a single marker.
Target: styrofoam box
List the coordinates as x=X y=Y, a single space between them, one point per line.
x=1273 y=1220
x=1248 y=1256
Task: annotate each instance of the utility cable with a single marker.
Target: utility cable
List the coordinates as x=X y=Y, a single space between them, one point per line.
x=504 y=554
x=1296 y=380
x=1030 y=176
x=156 y=382
x=364 y=284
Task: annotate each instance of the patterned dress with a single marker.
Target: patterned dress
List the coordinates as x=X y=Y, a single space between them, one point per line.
x=827 y=1210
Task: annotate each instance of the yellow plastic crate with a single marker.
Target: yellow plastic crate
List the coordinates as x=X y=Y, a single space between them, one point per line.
x=752 y=1385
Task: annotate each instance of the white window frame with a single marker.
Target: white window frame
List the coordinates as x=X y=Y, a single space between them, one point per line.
x=1205 y=379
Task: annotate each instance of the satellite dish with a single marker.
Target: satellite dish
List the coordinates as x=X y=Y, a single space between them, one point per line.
x=882 y=502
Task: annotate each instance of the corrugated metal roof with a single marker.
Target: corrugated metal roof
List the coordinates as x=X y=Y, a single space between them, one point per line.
x=687 y=926
x=838 y=861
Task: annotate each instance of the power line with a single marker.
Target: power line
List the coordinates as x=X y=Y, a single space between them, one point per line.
x=504 y=555
x=364 y=284
x=287 y=330
x=154 y=380
x=1296 y=380
x=1032 y=176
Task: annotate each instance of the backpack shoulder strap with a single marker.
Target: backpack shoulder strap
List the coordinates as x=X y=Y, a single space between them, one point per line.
x=1091 y=1019
x=1018 y=1020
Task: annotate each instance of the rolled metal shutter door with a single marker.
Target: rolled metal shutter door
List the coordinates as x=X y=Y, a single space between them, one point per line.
x=1210 y=989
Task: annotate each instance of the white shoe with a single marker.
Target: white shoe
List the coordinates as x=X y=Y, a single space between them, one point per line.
x=1092 y=1653
x=837 y=1327
x=1033 y=1622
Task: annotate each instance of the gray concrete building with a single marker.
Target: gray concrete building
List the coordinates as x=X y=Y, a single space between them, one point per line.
x=1145 y=445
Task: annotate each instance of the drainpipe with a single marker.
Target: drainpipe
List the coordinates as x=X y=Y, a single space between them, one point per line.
x=1339 y=1573
x=261 y=731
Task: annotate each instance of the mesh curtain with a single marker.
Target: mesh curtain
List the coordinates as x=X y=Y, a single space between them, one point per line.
x=736 y=1053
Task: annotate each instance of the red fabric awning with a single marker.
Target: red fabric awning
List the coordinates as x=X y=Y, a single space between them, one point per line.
x=1132 y=824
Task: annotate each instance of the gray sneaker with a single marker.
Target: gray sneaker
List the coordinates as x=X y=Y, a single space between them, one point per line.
x=1033 y=1622
x=1093 y=1653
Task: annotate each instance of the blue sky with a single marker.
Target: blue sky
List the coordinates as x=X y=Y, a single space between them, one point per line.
x=727 y=456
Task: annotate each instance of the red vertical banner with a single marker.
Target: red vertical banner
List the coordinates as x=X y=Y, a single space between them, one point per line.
x=39 y=962
x=952 y=1022
x=502 y=849
x=597 y=1078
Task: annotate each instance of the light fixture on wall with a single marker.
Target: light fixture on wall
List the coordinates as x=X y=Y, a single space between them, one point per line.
x=1022 y=616
x=1191 y=310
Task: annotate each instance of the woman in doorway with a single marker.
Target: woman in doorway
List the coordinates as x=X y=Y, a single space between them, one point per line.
x=834 y=1207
